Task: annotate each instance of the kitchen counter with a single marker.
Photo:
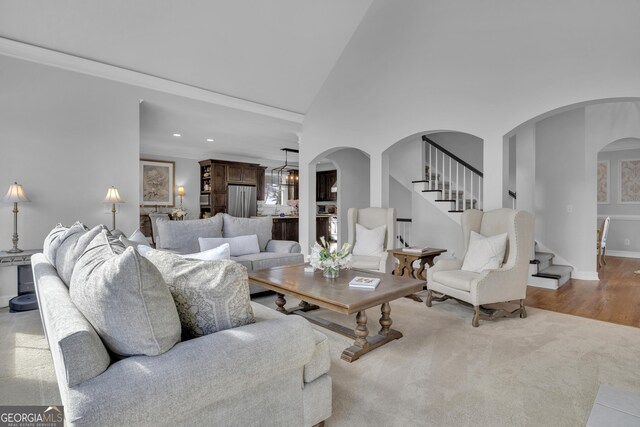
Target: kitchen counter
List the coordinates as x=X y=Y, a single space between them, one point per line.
x=325 y=215
x=276 y=217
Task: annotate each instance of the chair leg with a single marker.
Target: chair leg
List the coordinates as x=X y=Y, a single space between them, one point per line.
x=523 y=310
x=604 y=253
x=476 y=316
x=429 y=297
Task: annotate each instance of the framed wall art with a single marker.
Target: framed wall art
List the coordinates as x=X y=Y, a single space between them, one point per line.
x=630 y=181
x=604 y=174
x=157 y=182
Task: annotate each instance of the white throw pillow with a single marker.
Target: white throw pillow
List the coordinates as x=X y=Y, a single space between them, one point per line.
x=139 y=238
x=485 y=253
x=221 y=252
x=240 y=245
x=369 y=242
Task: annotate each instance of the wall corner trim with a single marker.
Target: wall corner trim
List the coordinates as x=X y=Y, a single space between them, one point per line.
x=77 y=64
x=585 y=275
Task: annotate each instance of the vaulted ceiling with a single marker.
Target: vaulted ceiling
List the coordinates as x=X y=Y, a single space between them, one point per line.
x=275 y=52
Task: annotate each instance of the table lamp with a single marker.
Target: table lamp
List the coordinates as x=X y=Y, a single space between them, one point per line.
x=15 y=195
x=113 y=197
x=181 y=193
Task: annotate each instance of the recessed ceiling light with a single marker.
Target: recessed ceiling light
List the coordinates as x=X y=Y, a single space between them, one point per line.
x=209 y=139
x=176 y=134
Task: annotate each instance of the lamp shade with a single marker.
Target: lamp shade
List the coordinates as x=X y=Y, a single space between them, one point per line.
x=180 y=190
x=113 y=196
x=15 y=194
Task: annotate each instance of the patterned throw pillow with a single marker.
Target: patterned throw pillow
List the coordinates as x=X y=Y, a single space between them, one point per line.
x=210 y=296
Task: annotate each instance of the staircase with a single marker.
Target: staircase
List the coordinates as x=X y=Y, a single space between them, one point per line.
x=543 y=273
x=449 y=183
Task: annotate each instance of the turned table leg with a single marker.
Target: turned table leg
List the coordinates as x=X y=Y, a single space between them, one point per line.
x=280 y=302
x=361 y=332
x=385 y=319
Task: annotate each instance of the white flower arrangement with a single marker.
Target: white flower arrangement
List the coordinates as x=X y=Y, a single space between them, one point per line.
x=323 y=258
x=178 y=213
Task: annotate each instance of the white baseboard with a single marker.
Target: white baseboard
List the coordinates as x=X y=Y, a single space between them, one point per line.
x=624 y=254
x=585 y=275
x=4 y=300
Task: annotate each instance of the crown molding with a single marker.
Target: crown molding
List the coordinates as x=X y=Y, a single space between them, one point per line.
x=77 y=64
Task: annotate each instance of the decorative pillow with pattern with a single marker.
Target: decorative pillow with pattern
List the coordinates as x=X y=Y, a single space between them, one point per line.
x=210 y=296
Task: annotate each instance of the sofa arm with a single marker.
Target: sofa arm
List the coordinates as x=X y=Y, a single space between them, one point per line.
x=283 y=247
x=193 y=374
x=444 y=265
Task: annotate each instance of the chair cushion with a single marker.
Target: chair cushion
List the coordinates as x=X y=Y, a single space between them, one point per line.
x=182 y=236
x=366 y=262
x=261 y=227
x=457 y=279
x=369 y=242
x=125 y=298
x=211 y=296
x=485 y=253
x=240 y=245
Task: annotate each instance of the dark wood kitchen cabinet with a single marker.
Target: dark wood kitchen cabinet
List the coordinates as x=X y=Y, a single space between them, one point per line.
x=323 y=228
x=324 y=181
x=285 y=228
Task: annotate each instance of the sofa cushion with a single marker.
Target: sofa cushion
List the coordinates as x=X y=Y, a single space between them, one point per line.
x=182 y=236
x=321 y=360
x=261 y=227
x=457 y=279
x=366 y=262
x=270 y=259
x=485 y=253
x=240 y=245
x=125 y=298
x=211 y=296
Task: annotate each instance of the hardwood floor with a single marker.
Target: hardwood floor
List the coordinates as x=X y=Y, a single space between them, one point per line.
x=614 y=298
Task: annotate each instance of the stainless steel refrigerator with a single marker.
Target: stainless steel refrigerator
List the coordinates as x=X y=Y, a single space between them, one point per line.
x=243 y=200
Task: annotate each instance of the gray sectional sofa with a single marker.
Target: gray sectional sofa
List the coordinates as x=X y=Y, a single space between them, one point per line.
x=271 y=372
x=182 y=237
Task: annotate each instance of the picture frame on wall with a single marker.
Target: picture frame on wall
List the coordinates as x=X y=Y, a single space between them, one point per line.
x=604 y=182
x=630 y=181
x=157 y=183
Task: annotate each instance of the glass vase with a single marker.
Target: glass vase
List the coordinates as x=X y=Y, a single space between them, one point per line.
x=331 y=273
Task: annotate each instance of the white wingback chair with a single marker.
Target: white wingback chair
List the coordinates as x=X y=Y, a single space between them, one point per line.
x=373 y=218
x=506 y=283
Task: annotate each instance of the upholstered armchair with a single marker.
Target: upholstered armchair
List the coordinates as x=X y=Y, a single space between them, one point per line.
x=373 y=257
x=505 y=283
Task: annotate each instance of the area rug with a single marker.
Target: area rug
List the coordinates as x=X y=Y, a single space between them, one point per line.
x=544 y=370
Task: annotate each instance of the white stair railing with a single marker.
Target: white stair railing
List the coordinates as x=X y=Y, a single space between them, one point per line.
x=452 y=176
x=403 y=232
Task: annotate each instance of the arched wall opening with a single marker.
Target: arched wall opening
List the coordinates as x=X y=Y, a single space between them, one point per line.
x=556 y=156
x=352 y=167
x=618 y=195
x=406 y=161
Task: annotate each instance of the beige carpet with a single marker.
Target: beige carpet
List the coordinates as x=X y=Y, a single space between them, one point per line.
x=541 y=371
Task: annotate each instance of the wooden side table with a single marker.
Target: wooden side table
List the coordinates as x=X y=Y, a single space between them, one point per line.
x=405 y=267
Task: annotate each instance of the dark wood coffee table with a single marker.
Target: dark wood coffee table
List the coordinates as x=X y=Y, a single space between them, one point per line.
x=335 y=295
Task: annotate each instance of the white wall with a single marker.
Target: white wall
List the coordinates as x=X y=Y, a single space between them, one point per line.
x=468 y=66
x=353 y=185
x=67 y=138
x=187 y=174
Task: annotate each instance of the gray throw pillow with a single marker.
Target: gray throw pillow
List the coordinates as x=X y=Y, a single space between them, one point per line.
x=52 y=242
x=261 y=227
x=125 y=299
x=72 y=246
x=210 y=295
x=182 y=236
